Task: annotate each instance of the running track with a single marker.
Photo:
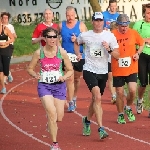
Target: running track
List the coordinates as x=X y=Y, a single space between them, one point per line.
x=23 y=121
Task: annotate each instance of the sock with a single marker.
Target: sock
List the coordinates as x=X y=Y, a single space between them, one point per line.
x=128 y=107
x=74 y=98
x=100 y=128
x=114 y=95
x=140 y=100
x=86 y=121
x=55 y=142
x=121 y=113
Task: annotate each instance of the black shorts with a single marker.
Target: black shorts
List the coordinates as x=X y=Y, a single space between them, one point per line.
x=120 y=81
x=77 y=66
x=144 y=69
x=4 y=64
x=93 y=79
x=109 y=67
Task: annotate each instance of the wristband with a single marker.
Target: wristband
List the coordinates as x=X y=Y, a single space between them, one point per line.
x=110 y=51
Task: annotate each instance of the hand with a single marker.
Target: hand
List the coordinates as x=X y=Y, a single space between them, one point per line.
x=62 y=79
x=106 y=45
x=136 y=56
x=79 y=57
x=3 y=43
x=73 y=37
x=37 y=76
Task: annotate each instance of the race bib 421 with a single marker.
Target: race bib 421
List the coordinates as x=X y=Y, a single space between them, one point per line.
x=49 y=76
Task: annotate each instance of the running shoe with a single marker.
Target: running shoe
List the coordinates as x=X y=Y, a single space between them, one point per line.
x=71 y=106
x=102 y=133
x=121 y=119
x=113 y=100
x=130 y=114
x=55 y=147
x=3 y=91
x=75 y=104
x=86 y=127
x=139 y=107
x=10 y=78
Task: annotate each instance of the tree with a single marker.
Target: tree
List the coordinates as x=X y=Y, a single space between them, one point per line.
x=95 y=5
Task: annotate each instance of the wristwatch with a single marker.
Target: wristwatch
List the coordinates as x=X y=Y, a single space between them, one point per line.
x=110 y=51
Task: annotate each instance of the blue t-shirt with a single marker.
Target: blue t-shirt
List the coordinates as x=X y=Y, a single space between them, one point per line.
x=66 y=34
x=108 y=18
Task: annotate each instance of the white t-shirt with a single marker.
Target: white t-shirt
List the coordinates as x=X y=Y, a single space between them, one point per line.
x=11 y=28
x=96 y=56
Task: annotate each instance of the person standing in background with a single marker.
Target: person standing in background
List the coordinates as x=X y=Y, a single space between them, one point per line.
x=5 y=16
x=110 y=16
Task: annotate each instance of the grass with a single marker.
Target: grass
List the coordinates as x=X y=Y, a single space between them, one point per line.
x=23 y=46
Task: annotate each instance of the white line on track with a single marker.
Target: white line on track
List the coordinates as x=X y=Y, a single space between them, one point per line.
x=40 y=141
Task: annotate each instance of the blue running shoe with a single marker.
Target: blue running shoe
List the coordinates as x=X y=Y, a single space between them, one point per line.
x=75 y=104
x=102 y=133
x=10 y=78
x=3 y=91
x=71 y=106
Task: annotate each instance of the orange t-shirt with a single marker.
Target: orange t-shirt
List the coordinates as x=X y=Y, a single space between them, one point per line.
x=127 y=42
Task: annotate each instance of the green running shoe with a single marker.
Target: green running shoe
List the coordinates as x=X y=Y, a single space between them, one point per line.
x=130 y=115
x=102 y=133
x=121 y=119
x=86 y=127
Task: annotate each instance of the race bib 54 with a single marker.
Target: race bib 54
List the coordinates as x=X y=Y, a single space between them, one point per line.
x=96 y=51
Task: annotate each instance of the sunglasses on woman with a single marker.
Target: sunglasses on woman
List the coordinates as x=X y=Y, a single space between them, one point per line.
x=51 y=36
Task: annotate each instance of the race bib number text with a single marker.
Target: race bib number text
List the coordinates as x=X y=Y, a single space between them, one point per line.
x=72 y=57
x=50 y=77
x=96 y=52
x=124 y=62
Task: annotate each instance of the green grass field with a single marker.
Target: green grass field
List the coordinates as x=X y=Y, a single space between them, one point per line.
x=23 y=46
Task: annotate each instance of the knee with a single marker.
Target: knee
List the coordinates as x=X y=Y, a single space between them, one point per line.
x=77 y=79
x=52 y=116
x=97 y=98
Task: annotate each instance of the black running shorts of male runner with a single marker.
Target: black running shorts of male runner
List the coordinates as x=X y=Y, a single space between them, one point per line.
x=93 y=80
x=77 y=66
x=120 y=81
x=144 y=69
x=109 y=67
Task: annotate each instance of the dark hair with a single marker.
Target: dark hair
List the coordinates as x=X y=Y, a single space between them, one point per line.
x=6 y=14
x=144 y=6
x=49 y=29
x=112 y=1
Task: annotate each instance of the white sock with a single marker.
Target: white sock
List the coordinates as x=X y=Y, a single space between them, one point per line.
x=140 y=100
x=74 y=98
x=128 y=107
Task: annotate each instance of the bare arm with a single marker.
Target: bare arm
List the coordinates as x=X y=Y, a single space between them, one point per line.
x=83 y=27
x=37 y=40
x=33 y=63
x=67 y=63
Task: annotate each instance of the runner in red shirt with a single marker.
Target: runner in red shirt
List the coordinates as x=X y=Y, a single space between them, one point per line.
x=37 y=34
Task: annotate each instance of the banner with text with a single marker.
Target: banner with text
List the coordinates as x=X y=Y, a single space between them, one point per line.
x=27 y=11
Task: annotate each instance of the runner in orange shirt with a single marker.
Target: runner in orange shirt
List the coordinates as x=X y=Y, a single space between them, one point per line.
x=125 y=69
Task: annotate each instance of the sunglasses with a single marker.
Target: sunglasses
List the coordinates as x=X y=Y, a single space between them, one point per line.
x=123 y=23
x=98 y=20
x=51 y=36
